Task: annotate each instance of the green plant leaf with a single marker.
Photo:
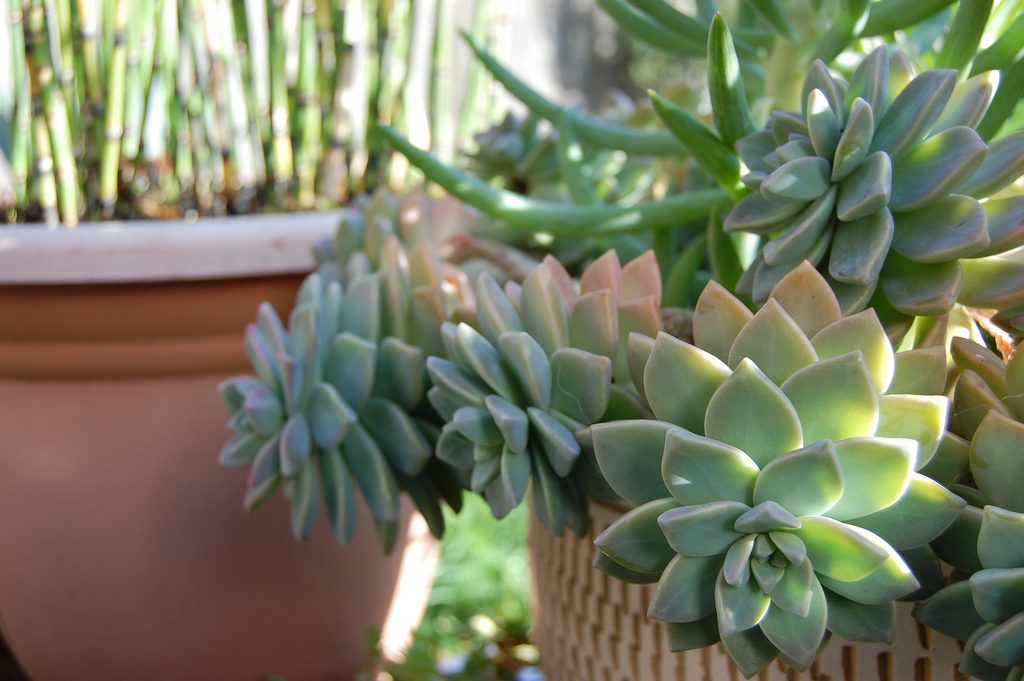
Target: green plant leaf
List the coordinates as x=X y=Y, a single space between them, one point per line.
x=559 y=443
x=736 y=568
x=955 y=227
x=950 y=611
x=746 y=397
x=371 y=471
x=693 y=635
x=867 y=189
x=296 y=444
x=478 y=426
x=581 y=384
x=773 y=13
x=495 y=311
x=861 y=621
x=996 y=462
x=718 y=318
x=854 y=142
x=935 y=168
x=636 y=541
x=686 y=590
x=975 y=665
x=458 y=385
x=834 y=398
x=918 y=417
x=593 y=324
x=891 y=580
x=629 y=454
x=750 y=650
x=958 y=545
x=909 y=118
x=923 y=512
x=969 y=101
x=350 y=368
x=361 y=310
x=486 y=474
x=870 y=83
x=543 y=312
x=799 y=637
x=241 y=449
x=515 y=475
x=774 y=342
x=475 y=353
x=705 y=530
x=822 y=124
x=698 y=470
x=1001 y=539
x=793 y=592
x=806 y=297
x=512 y=421
x=1000 y=169
x=836 y=550
x=399 y=438
x=1005 y=224
x=862 y=332
x=263 y=358
x=876 y=473
x=604 y=563
x=728 y=100
x=992 y=283
x=674 y=364
x=803 y=231
x=531 y=366
x=802 y=179
x=264 y=410
x=330 y=417
x=755 y=213
x=859 y=248
x=768 y=516
x=998 y=594
x=267 y=462
x=739 y=607
x=305 y=497
x=454 y=448
x=807 y=481
x=964 y=34
x=920 y=289
x=400 y=374
x=1004 y=645
x=339 y=494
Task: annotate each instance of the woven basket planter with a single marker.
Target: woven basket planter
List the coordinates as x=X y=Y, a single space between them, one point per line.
x=590 y=626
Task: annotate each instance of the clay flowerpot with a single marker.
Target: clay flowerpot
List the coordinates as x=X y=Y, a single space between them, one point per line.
x=590 y=626
x=124 y=551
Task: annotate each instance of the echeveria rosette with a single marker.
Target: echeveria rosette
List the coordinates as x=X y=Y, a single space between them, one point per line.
x=878 y=182
x=338 y=402
x=777 y=493
x=987 y=610
x=540 y=368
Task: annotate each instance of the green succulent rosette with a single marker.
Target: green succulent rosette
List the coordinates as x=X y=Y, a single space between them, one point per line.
x=339 y=397
x=879 y=183
x=536 y=370
x=778 y=494
x=986 y=610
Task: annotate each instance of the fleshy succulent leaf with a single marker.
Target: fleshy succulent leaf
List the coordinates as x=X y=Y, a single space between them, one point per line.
x=629 y=454
x=717 y=319
x=698 y=470
x=835 y=398
x=705 y=530
x=581 y=384
x=799 y=636
x=339 y=494
x=996 y=463
x=838 y=551
x=914 y=111
x=1001 y=539
x=543 y=312
x=775 y=343
x=863 y=332
x=531 y=366
x=636 y=541
x=876 y=472
x=558 y=442
x=685 y=592
x=674 y=364
x=921 y=514
x=918 y=417
x=739 y=607
x=807 y=481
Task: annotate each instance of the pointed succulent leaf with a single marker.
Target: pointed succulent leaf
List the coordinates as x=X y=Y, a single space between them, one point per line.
x=807 y=481
x=563 y=281
x=372 y=473
x=511 y=421
x=234 y=390
x=350 y=368
x=636 y=541
x=339 y=494
x=935 y=168
x=998 y=594
x=802 y=179
x=822 y=124
x=498 y=495
x=728 y=101
x=454 y=448
x=715 y=157
x=361 y=312
x=684 y=636
x=718 y=317
x=921 y=371
x=559 y=443
x=256 y=495
x=969 y=102
x=1004 y=645
x=679 y=381
x=593 y=324
x=918 y=417
x=834 y=398
x=543 y=312
x=739 y=607
x=474 y=352
x=641 y=315
x=992 y=283
x=264 y=410
x=305 y=497
x=766 y=517
x=458 y=385
x=296 y=444
x=241 y=449
x=1001 y=540
x=799 y=636
x=515 y=475
x=920 y=289
x=638 y=351
x=767 y=574
x=399 y=438
x=862 y=332
x=605 y=564
x=820 y=78
x=923 y=512
x=550 y=502
x=876 y=473
x=836 y=550
x=495 y=311
x=803 y=230
x=581 y=384
x=705 y=530
x=893 y=579
x=867 y=190
x=859 y=248
x=736 y=568
x=755 y=213
x=477 y=425
x=854 y=142
x=774 y=342
x=750 y=650
x=969 y=355
x=861 y=621
x=974 y=664
x=958 y=545
x=973 y=400
x=400 y=373
x=806 y=297
x=330 y=417
x=263 y=358
x=530 y=365
x=1000 y=169
x=486 y=473
x=1005 y=224
x=870 y=82
x=909 y=118
x=603 y=273
x=951 y=461
x=798 y=147
x=754 y=147
x=698 y=470
x=685 y=592
x=267 y=462
x=641 y=277
x=629 y=454
x=951 y=611
x=747 y=397
x=996 y=463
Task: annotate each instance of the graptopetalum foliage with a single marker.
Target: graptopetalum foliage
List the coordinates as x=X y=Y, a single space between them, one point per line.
x=338 y=400
x=535 y=371
x=778 y=498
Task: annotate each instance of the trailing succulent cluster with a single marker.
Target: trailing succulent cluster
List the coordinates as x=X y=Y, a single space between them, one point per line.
x=535 y=371
x=878 y=183
x=778 y=494
x=338 y=399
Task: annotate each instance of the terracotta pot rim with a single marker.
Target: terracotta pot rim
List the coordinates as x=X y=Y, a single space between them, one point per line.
x=159 y=250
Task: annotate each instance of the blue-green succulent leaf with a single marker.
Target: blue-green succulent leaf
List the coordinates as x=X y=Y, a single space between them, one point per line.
x=629 y=454
x=891 y=580
x=559 y=443
x=399 y=438
x=807 y=481
x=998 y=594
x=679 y=381
x=241 y=449
x=953 y=227
x=515 y=475
x=746 y=398
x=477 y=425
x=686 y=590
x=636 y=541
x=454 y=448
x=457 y=384
x=593 y=323
x=296 y=444
x=693 y=635
x=790 y=546
x=838 y=551
x=859 y=248
x=799 y=636
x=822 y=124
x=1001 y=539
x=698 y=470
x=581 y=384
x=739 y=607
x=918 y=417
x=330 y=417
x=923 y=512
x=793 y=591
x=950 y=611
x=861 y=621
x=936 y=168
x=604 y=563
x=767 y=574
x=1004 y=645
x=705 y=530
x=264 y=410
x=972 y=663
x=909 y=118
x=766 y=517
x=267 y=461
x=750 y=650
x=543 y=311
x=718 y=318
x=802 y=179
x=1005 y=224
x=755 y=213
x=474 y=352
x=803 y=230
x=854 y=141
x=870 y=82
x=371 y=471
x=304 y=494
x=485 y=474
x=876 y=473
x=361 y=311
x=834 y=398
x=736 y=568
x=775 y=343
x=861 y=331
x=263 y=358
x=339 y=494
x=1000 y=169
x=867 y=190
x=512 y=421
x=400 y=375
x=531 y=366
x=996 y=461
x=350 y=368
x=495 y=312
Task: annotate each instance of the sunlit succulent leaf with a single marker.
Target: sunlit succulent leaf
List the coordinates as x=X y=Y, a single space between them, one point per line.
x=862 y=332
x=921 y=371
x=861 y=621
x=755 y=213
x=635 y=540
x=604 y=273
x=822 y=124
x=748 y=397
x=799 y=636
x=935 y=168
x=739 y=607
x=859 y=248
x=764 y=518
x=891 y=580
x=593 y=324
x=339 y=494
x=736 y=568
x=698 y=470
x=1004 y=645
x=559 y=443
x=679 y=381
x=969 y=102
x=543 y=312
x=996 y=461
x=1001 y=539
x=854 y=142
x=834 y=398
x=973 y=400
x=581 y=384
x=836 y=550
x=806 y=297
x=1002 y=167
x=685 y=592
x=923 y=512
x=802 y=179
x=867 y=189
x=909 y=118
x=641 y=315
x=793 y=592
x=750 y=650
x=530 y=365
x=705 y=530
x=992 y=283
x=459 y=385
x=921 y=289
x=638 y=350
x=919 y=417
x=1005 y=224
x=876 y=473
x=725 y=86
x=803 y=230
x=775 y=343
x=807 y=481
x=718 y=317
x=870 y=82
x=629 y=454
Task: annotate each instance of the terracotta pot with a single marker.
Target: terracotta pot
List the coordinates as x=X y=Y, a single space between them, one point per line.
x=124 y=551
x=590 y=626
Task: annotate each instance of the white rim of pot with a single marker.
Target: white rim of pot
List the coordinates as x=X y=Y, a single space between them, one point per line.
x=155 y=250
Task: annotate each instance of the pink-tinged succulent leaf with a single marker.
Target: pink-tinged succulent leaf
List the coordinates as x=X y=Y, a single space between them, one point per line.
x=564 y=282
x=807 y=299
x=581 y=384
x=992 y=283
x=923 y=512
x=863 y=332
x=838 y=551
x=638 y=351
x=698 y=470
x=750 y=650
x=798 y=636
x=921 y=371
x=603 y=273
x=640 y=315
x=867 y=190
x=918 y=417
x=680 y=380
x=909 y=118
x=686 y=590
x=304 y=493
x=718 y=317
x=330 y=417
x=559 y=443
x=834 y=398
x=460 y=386
x=1001 y=539
x=705 y=530
x=752 y=414
x=998 y=594
x=953 y=227
x=807 y=481
x=1001 y=168
x=641 y=277
x=861 y=621
x=495 y=312
x=543 y=311
x=775 y=343
x=739 y=607
x=859 y=249
x=854 y=141
x=530 y=365
x=936 y=168
x=635 y=540
x=594 y=323
x=973 y=399
x=339 y=494
x=629 y=454
x=270 y=326
x=1004 y=645
x=876 y=473
x=263 y=358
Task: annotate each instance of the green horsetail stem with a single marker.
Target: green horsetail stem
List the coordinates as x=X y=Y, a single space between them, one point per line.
x=113 y=127
x=590 y=130
x=636 y=23
x=442 y=138
x=45 y=187
x=964 y=34
x=561 y=219
x=476 y=114
x=280 y=126
x=21 y=139
x=889 y=16
x=1003 y=51
x=307 y=107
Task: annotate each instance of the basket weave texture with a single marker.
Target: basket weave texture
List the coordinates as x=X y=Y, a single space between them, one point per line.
x=590 y=627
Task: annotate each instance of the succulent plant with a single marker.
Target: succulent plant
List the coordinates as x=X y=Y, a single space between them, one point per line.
x=778 y=498
x=340 y=395
x=515 y=392
x=878 y=182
